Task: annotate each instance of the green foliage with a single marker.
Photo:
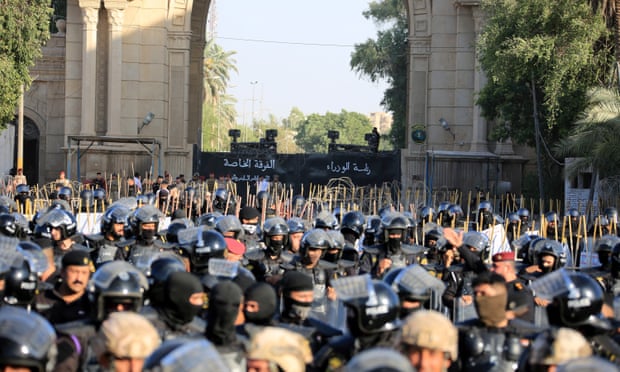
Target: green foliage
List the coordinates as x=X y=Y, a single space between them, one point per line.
x=560 y=46
x=312 y=132
x=24 y=29
x=219 y=108
x=595 y=137
x=386 y=58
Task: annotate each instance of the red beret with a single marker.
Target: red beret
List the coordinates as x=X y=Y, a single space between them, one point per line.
x=234 y=246
x=504 y=256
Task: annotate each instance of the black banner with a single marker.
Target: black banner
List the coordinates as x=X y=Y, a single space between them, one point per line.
x=302 y=169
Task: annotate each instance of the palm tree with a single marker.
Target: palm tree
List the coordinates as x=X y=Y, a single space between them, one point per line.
x=594 y=140
x=219 y=109
x=610 y=9
x=217 y=67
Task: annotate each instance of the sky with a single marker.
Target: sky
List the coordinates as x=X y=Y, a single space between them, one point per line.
x=284 y=60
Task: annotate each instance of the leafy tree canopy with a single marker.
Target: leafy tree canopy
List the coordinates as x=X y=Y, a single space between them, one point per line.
x=312 y=132
x=557 y=49
x=386 y=58
x=24 y=26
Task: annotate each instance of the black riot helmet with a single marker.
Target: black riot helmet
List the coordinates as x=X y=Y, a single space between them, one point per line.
x=315 y=238
x=476 y=240
x=296 y=225
x=373 y=227
x=612 y=214
x=8 y=227
x=615 y=261
x=325 y=220
x=524 y=215
x=208 y=219
x=443 y=206
x=222 y=199
x=26 y=340
x=229 y=223
x=484 y=215
x=552 y=248
x=22 y=225
x=87 y=199
x=145 y=215
x=65 y=193
x=297 y=205
x=604 y=246
x=581 y=305
x=175 y=226
x=513 y=218
x=62 y=220
x=117 y=283
x=394 y=222
x=158 y=272
x=404 y=292
x=334 y=253
x=21 y=284
x=275 y=226
x=453 y=214
x=427 y=214
x=353 y=223
x=263 y=199
x=114 y=215
x=378 y=313
x=202 y=246
x=22 y=189
x=99 y=194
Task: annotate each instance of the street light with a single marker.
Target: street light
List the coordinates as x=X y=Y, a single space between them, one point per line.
x=146 y=121
x=446 y=127
x=253 y=83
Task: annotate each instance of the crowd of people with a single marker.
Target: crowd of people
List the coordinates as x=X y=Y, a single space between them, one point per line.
x=291 y=284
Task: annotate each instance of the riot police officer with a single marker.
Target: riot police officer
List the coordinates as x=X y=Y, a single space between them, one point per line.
x=314 y=245
x=372 y=321
x=266 y=265
x=391 y=252
x=175 y=313
x=492 y=342
x=110 y=243
x=18 y=348
x=145 y=224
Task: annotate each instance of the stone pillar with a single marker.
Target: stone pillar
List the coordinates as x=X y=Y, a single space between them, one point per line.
x=479 y=128
x=90 y=16
x=116 y=11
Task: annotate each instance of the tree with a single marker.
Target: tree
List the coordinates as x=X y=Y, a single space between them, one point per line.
x=544 y=55
x=312 y=132
x=24 y=29
x=595 y=137
x=219 y=109
x=550 y=48
x=386 y=58
x=218 y=64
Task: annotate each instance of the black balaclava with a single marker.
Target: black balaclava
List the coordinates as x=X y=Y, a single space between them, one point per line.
x=393 y=244
x=292 y=310
x=180 y=286
x=349 y=236
x=224 y=301
x=265 y=296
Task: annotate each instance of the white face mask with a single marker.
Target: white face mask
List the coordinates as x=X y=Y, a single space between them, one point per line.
x=250 y=229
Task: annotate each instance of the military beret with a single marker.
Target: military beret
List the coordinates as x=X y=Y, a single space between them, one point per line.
x=248 y=213
x=76 y=258
x=504 y=256
x=296 y=281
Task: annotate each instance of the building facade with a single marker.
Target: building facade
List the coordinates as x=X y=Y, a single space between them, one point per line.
x=119 y=60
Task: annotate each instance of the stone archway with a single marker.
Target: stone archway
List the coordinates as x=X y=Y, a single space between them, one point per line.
x=32 y=137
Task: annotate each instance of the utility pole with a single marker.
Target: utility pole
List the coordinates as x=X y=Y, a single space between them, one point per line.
x=253 y=83
x=20 y=130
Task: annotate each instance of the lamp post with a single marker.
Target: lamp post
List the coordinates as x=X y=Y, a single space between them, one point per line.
x=253 y=83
